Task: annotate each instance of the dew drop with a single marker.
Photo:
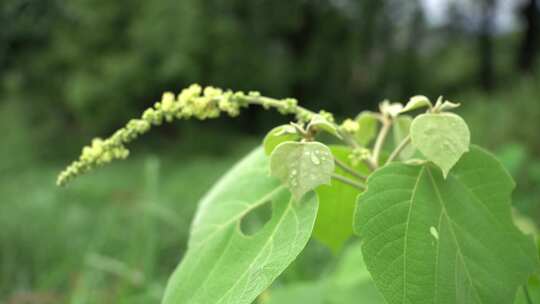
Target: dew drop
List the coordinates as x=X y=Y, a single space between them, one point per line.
x=434 y=232
x=315 y=159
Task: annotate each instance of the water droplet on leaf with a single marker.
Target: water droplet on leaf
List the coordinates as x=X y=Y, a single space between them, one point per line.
x=315 y=159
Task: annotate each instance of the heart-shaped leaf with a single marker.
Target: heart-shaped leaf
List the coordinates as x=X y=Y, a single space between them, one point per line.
x=427 y=239
x=302 y=166
x=441 y=138
x=222 y=265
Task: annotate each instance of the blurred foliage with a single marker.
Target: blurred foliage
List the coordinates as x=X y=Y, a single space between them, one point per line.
x=113 y=237
x=73 y=69
x=89 y=65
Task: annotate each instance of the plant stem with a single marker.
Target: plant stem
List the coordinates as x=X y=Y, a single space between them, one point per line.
x=267 y=102
x=348 y=181
x=349 y=170
x=386 y=124
x=347 y=138
x=527 y=295
x=399 y=148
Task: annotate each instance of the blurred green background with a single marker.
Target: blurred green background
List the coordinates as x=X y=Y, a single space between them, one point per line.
x=71 y=70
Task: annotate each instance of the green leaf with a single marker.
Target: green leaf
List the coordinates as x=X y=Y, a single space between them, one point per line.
x=441 y=138
x=532 y=292
x=278 y=135
x=302 y=166
x=416 y=102
x=336 y=204
x=441 y=106
x=222 y=265
x=321 y=123
x=427 y=239
x=390 y=109
x=367 y=127
x=447 y=105
x=400 y=131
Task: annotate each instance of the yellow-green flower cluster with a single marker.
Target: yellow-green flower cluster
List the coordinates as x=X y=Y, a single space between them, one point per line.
x=358 y=155
x=349 y=126
x=193 y=102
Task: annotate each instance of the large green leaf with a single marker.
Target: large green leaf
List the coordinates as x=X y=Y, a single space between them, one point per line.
x=302 y=166
x=336 y=205
x=531 y=294
x=431 y=240
x=442 y=138
x=222 y=265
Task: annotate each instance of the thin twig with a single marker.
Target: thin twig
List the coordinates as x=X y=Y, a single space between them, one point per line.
x=386 y=124
x=348 y=181
x=349 y=170
x=399 y=148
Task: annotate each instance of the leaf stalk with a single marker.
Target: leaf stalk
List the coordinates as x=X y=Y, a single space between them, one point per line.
x=349 y=182
x=349 y=170
x=406 y=141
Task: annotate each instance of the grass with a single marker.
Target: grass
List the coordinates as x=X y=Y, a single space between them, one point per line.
x=113 y=236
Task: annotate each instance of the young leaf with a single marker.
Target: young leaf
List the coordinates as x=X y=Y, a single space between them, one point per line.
x=321 y=123
x=302 y=166
x=336 y=204
x=400 y=131
x=391 y=109
x=222 y=265
x=278 y=135
x=442 y=138
x=447 y=105
x=441 y=106
x=416 y=102
x=427 y=239
x=367 y=128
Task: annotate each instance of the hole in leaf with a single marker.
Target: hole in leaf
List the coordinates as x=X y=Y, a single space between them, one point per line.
x=255 y=220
